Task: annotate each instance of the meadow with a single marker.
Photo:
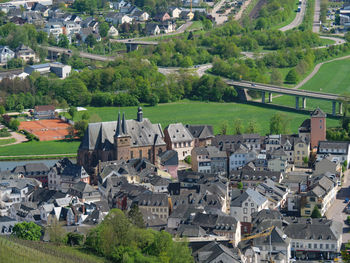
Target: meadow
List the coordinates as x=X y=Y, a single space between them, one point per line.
x=7 y=141
x=15 y=251
x=333 y=77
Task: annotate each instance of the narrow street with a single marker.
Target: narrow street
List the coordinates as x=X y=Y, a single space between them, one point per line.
x=336 y=211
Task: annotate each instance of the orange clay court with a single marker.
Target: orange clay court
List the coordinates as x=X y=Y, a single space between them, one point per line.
x=46 y=130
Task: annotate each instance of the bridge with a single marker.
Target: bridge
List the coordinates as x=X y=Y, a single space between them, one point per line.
x=133 y=44
x=299 y=94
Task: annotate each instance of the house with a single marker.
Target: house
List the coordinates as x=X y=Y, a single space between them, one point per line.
x=37 y=171
x=139 y=15
x=161 y=17
x=244 y=203
x=318 y=127
x=44 y=112
x=277 y=165
x=112 y=32
x=322 y=192
x=54 y=28
x=301 y=152
x=71 y=28
x=26 y=54
x=250 y=178
x=34 y=18
x=42 y=9
x=64 y=174
x=118 y=18
x=75 y=18
x=187 y=15
x=202 y=134
x=61 y=70
x=152 y=29
x=230 y=142
x=215 y=252
x=167 y=27
x=327 y=166
x=275 y=193
x=240 y=156
x=156 y=203
x=209 y=160
x=85 y=192
x=6 y=225
x=334 y=151
x=168 y=161
x=174 y=12
x=6 y=54
x=18 y=20
x=85 y=32
x=178 y=138
x=120 y=140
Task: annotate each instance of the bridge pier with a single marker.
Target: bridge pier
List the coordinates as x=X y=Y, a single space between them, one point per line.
x=297 y=103
x=131 y=47
x=334 y=105
x=340 y=108
x=270 y=97
x=304 y=103
x=263 y=97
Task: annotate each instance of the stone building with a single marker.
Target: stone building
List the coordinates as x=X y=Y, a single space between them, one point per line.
x=120 y=140
x=318 y=127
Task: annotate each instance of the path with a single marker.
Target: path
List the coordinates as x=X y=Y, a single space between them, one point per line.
x=316 y=24
x=19 y=139
x=298 y=18
x=200 y=69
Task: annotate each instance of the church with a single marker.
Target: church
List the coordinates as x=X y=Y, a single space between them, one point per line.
x=120 y=140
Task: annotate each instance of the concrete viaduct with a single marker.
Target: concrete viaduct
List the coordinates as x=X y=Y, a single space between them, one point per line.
x=300 y=95
x=132 y=45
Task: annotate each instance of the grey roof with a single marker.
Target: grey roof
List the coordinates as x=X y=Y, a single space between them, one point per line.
x=318 y=113
x=31 y=168
x=200 y=131
x=179 y=133
x=305 y=126
x=212 y=251
x=169 y=157
x=152 y=199
x=277 y=237
x=185 y=230
x=4 y=219
x=101 y=135
x=254 y=195
x=333 y=145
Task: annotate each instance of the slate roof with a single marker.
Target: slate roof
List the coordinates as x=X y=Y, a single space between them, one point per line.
x=44 y=108
x=152 y=199
x=318 y=113
x=169 y=157
x=185 y=230
x=101 y=135
x=333 y=145
x=29 y=168
x=254 y=195
x=305 y=126
x=213 y=250
x=179 y=133
x=200 y=131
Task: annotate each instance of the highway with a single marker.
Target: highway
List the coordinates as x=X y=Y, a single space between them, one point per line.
x=282 y=90
x=298 y=18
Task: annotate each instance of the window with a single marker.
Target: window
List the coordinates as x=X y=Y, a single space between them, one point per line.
x=327 y=246
x=321 y=246
x=333 y=246
x=245 y=210
x=131 y=155
x=246 y=204
x=307 y=212
x=252 y=204
x=140 y=153
x=310 y=245
x=245 y=219
x=253 y=210
x=315 y=245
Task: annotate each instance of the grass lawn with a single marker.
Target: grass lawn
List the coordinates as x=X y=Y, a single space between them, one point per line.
x=196 y=25
x=333 y=77
x=7 y=141
x=204 y=113
x=13 y=251
x=325 y=41
x=40 y=148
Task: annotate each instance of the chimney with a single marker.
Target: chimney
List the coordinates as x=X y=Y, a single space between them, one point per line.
x=139 y=114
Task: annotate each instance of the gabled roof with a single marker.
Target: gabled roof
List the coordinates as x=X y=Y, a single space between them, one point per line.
x=318 y=113
x=255 y=196
x=201 y=131
x=212 y=251
x=169 y=157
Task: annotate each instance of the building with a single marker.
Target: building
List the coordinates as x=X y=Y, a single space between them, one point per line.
x=112 y=32
x=61 y=70
x=6 y=225
x=215 y=252
x=161 y=17
x=202 y=134
x=168 y=162
x=85 y=192
x=338 y=152
x=121 y=139
x=6 y=54
x=178 y=138
x=64 y=174
x=26 y=54
x=318 y=127
x=155 y=203
x=209 y=160
x=175 y=12
x=230 y=142
x=44 y=112
x=38 y=171
x=152 y=29
x=240 y=156
x=301 y=152
x=245 y=203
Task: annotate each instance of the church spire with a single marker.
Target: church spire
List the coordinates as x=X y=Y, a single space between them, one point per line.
x=124 y=124
x=119 y=131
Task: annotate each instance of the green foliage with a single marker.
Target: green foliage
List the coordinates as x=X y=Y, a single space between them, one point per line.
x=188 y=159
x=223 y=128
x=15 y=63
x=292 y=77
x=63 y=41
x=240 y=185
x=27 y=231
x=74 y=239
x=135 y=216
x=103 y=29
x=279 y=124
x=238 y=126
x=316 y=212
x=4 y=132
x=56 y=231
x=72 y=112
x=276 y=77
x=80 y=127
x=119 y=240
x=252 y=127
x=14 y=124
x=2 y=110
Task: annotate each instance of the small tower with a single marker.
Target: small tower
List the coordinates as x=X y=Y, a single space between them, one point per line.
x=139 y=114
x=122 y=141
x=318 y=127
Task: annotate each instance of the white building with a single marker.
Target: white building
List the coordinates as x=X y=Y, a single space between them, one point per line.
x=240 y=157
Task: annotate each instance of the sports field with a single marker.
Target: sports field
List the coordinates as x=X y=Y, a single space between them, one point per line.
x=333 y=77
x=46 y=130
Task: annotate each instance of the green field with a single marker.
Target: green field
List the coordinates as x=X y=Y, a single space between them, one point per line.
x=40 y=148
x=21 y=251
x=203 y=113
x=7 y=141
x=333 y=77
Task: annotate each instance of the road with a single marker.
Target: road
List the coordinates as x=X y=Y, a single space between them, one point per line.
x=81 y=54
x=200 y=69
x=298 y=18
x=316 y=24
x=335 y=212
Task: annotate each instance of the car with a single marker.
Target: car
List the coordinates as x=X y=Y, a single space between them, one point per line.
x=69 y=51
x=346 y=200
x=253 y=85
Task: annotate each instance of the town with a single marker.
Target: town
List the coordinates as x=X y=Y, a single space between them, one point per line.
x=243 y=197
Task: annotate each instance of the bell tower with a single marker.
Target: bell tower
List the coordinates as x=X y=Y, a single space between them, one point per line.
x=122 y=141
x=318 y=127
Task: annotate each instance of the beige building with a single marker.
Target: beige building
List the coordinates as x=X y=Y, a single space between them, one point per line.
x=301 y=152
x=178 y=138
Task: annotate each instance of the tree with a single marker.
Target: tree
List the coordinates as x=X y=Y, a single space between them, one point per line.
x=135 y=216
x=103 y=29
x=223 y=128
x=316 y=212
x=240 y=185
x=292 y=77
x=80 y=127
x=71 y=131
x=14 y=124
x=56 y=231
x=27 y=231
x=238 y=126
x=2 y=110
x=279 y=124
x=276 y=77
x=74 y=239
x=63 y=41
x=252 y=127
x=85 y=116
x=20 y=108
x=90 y=40
x=153 y=100
x=72 y=112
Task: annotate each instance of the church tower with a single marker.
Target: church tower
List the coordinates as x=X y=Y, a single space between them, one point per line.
x=122 y=141
x=318 y=127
